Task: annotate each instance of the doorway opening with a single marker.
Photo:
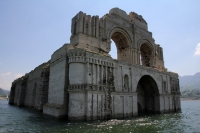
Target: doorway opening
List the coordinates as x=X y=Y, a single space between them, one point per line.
x=148 y=95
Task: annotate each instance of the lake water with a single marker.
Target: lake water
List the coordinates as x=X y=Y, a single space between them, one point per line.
x=16 y=119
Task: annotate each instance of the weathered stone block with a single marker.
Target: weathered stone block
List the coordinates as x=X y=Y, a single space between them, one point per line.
x=82 y=81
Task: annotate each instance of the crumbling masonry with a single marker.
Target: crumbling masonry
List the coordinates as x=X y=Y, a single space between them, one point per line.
x=82 y=81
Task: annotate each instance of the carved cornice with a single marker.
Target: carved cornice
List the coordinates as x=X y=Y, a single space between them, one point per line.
x=82 y=56
x=125 y=93
x=99 y=62
x=90 y=87
x=76 y=55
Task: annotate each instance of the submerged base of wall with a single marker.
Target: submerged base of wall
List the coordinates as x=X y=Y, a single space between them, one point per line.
x=55 y=110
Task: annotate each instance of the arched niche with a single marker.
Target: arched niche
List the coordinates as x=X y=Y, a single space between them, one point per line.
x=148 y=95
x=126 y=83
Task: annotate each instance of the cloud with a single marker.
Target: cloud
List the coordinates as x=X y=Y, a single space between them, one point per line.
x=19 y=75
x=197 y=52
x=5 y=85
x=6 y=74
x=6 y=79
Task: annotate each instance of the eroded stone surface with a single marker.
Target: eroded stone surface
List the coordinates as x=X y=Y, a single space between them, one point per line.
x=82 y=81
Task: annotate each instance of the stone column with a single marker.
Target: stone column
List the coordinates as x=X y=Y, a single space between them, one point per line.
x=87 y=72
x=102 y=71
x=80 y=23
x=89 y=25
x=93 y=26
x=97 y=26
x=135 y=56
x=138 y=57
x=85 y=24
x=97 y=76
x=93 y=74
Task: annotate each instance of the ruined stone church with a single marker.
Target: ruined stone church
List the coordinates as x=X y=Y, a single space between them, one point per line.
x=82 y=81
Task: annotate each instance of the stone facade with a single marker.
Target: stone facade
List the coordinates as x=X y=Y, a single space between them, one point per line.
x=31 y=90
x=83 y=82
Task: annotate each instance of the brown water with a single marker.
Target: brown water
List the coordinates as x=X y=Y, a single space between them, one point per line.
x=15 y=119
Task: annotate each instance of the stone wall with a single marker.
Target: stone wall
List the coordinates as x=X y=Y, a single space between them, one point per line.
x=58 y=83
x=82 y=81
x=110 y=87
x=31 y=90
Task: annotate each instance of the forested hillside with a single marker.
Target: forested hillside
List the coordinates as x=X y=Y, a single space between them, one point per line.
x=4 y=92
x=190 y=86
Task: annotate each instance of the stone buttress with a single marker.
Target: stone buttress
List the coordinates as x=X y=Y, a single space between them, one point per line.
x=83 y=82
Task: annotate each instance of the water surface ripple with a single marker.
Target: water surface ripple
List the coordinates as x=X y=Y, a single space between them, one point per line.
x=16 y=119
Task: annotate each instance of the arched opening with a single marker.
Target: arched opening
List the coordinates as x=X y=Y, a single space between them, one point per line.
x=139 y=107
x=113 y=51
x=126 y=83
x=146 y=54
x=122 y=46
x=148 y=95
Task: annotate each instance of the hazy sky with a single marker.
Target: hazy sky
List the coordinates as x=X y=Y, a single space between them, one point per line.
x=30 y=31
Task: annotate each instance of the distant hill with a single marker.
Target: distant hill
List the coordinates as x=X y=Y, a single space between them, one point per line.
x=190 y=82
x=4 y=92
x=190 y=86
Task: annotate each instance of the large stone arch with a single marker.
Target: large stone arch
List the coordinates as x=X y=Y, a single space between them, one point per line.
x=123 y=41
x=146 y=53
x=147 y=95
x=145 y=40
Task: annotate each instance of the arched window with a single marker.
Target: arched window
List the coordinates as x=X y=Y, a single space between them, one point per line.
x=146 y=53
x=122 y=46
x=113 y=51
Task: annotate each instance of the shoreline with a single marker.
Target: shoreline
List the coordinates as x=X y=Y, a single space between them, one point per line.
x=182 y=99
x=190 y=99
x=3 y=98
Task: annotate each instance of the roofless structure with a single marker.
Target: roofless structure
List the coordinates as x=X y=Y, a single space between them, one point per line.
x=82 y=81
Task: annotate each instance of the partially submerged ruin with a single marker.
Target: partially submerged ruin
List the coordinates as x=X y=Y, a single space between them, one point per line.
x=82 y=81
